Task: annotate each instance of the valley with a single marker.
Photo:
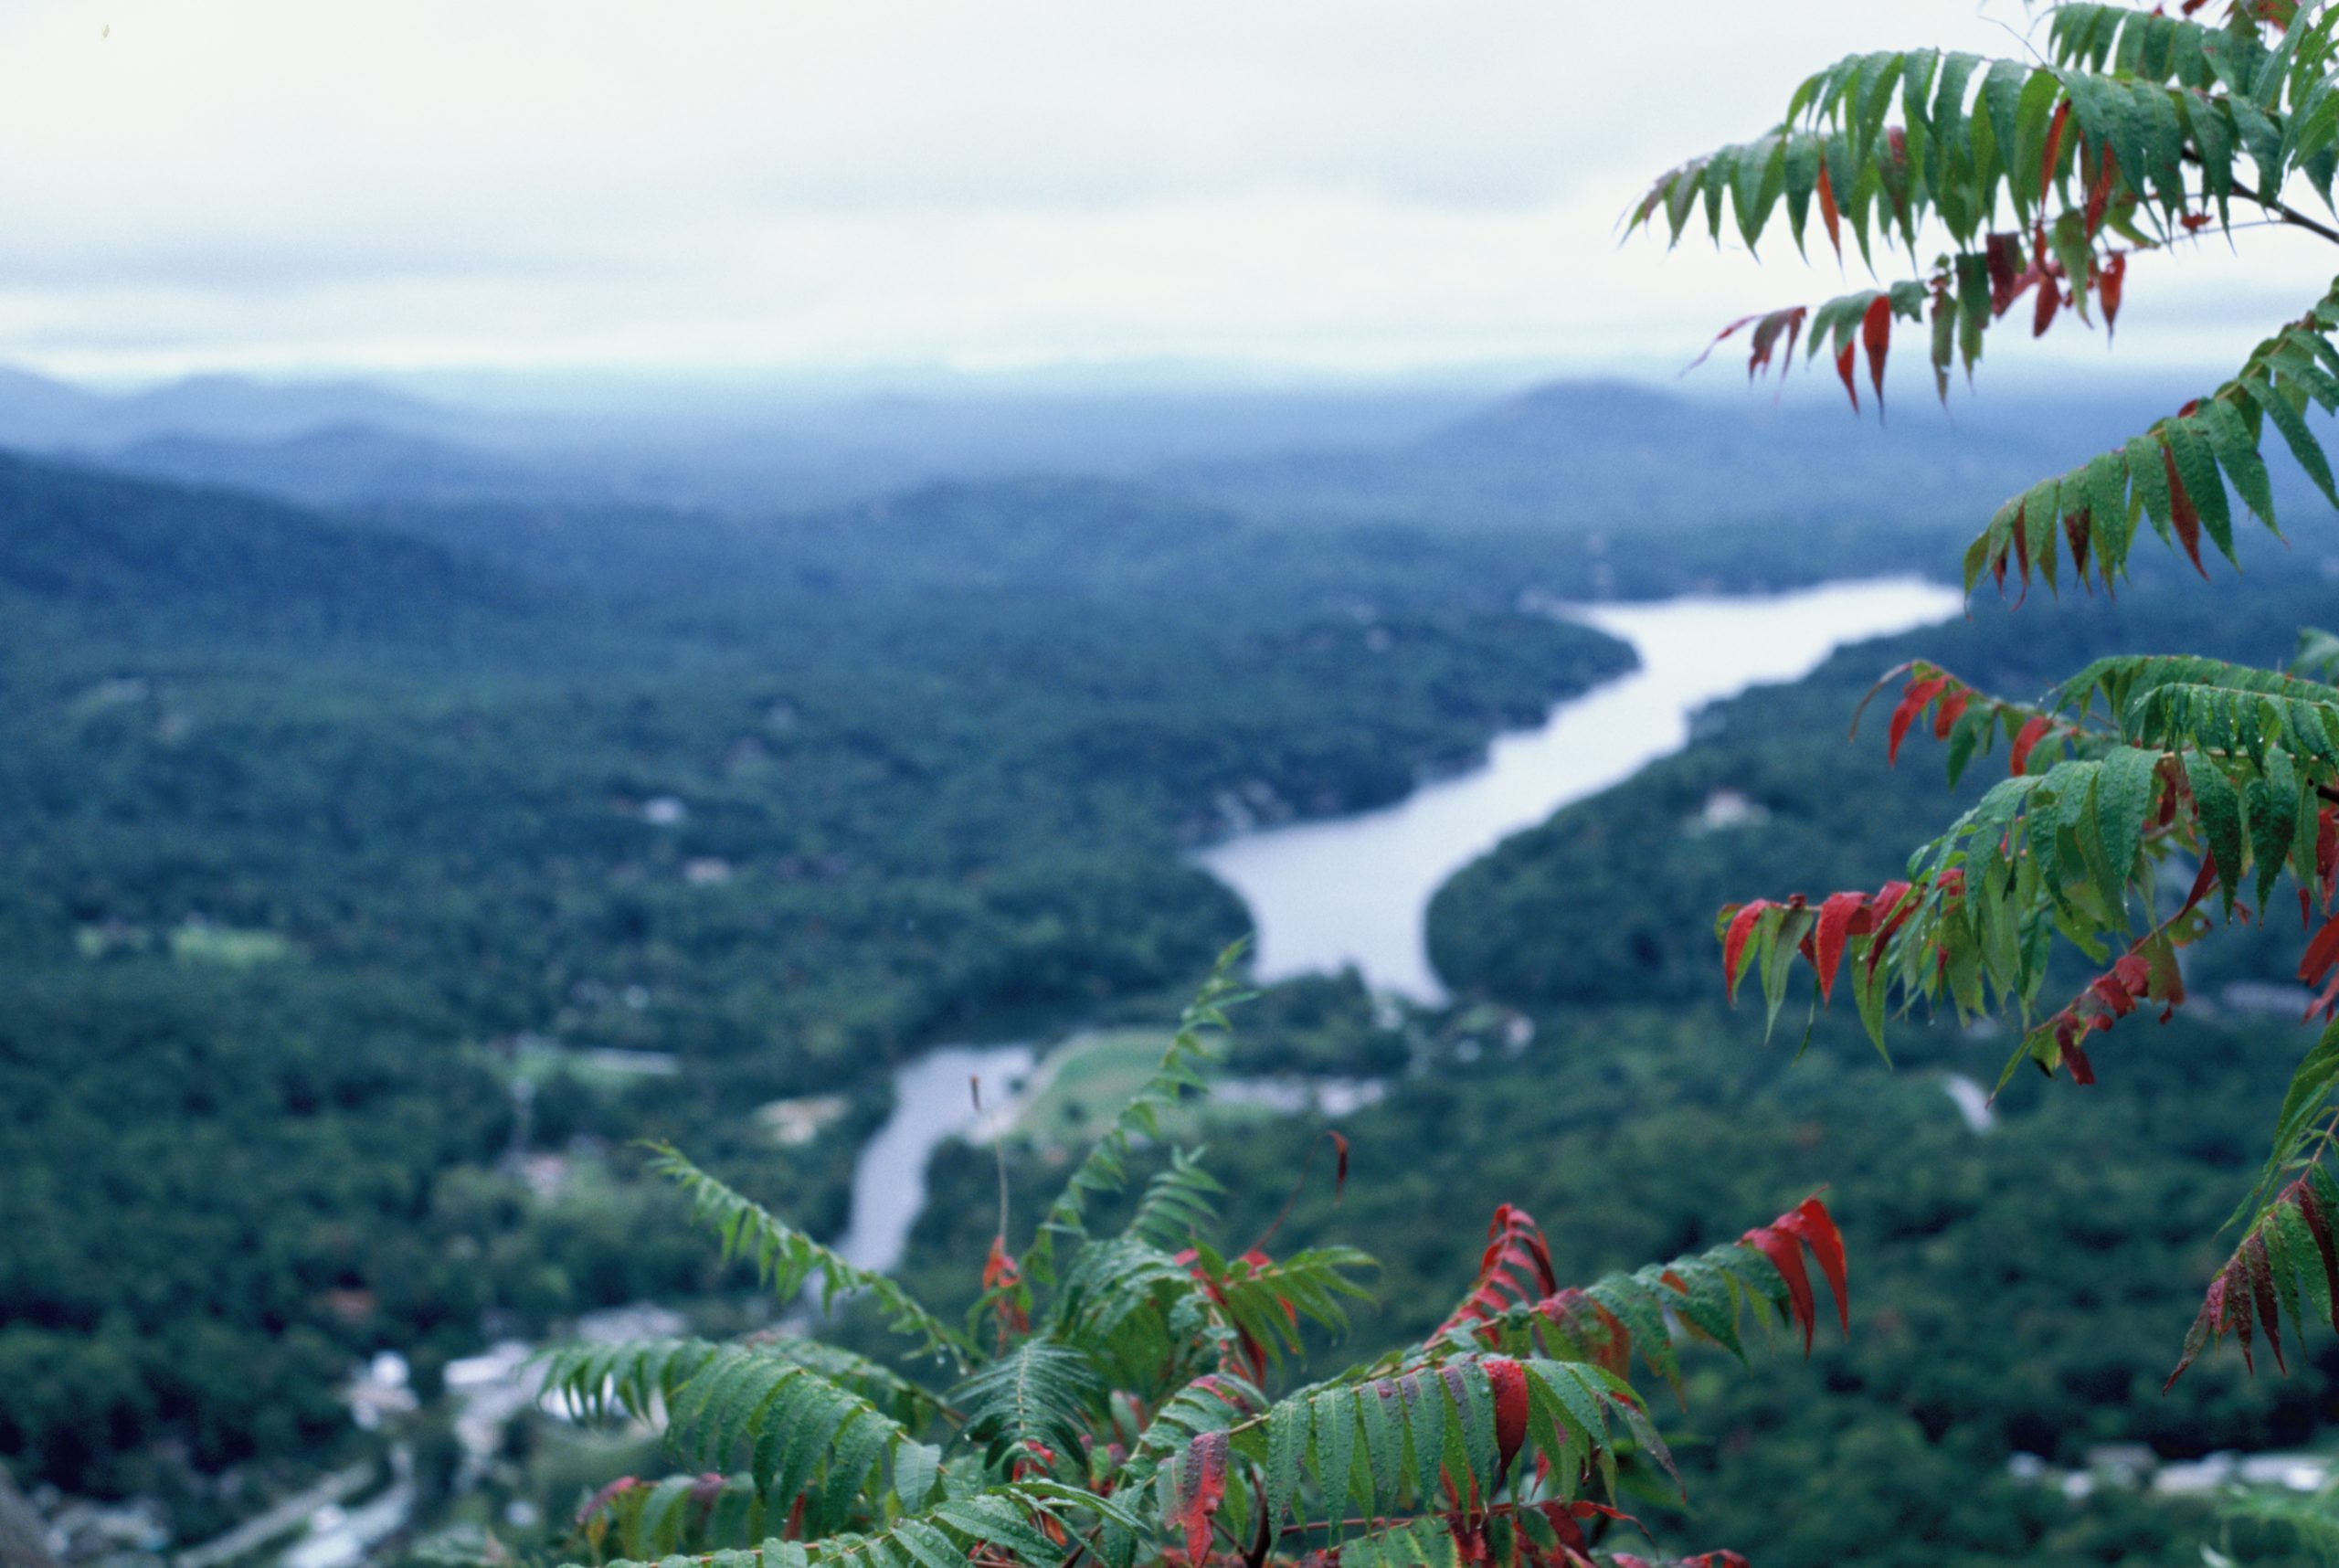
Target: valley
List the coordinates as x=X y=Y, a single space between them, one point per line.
x=381 y=874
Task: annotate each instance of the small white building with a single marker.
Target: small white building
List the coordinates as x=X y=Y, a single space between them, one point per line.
x=1728 y=809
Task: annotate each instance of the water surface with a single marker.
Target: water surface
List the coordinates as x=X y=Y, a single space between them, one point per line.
x=1354 y=890
x=932 y=1102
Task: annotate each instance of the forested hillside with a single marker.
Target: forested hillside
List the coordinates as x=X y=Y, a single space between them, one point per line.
x=323 y=835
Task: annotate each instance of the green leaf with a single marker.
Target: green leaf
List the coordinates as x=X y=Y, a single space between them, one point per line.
x=1425 y=1402
x=2310 y=1087
x=1384 y=1443
x=2237 y=452
x=2123 y=798
x=2198 y=470
x=2295 y=435
x=2274 y=803
x=1287 y=1449
x=1335 y=1449
x=2219 y=806
x=2148 y=476
x=1037 y=1393
x=1786 y=931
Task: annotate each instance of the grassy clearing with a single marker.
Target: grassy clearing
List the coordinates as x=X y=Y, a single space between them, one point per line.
x=228 y=946
x=1086 y=1080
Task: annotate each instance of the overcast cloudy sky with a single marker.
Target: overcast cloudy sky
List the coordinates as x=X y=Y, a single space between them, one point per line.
x=1311 y=185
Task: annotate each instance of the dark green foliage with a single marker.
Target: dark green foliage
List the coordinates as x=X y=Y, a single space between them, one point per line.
x=405 y=787
x=1123 y=1414
x=787 y=1260
x=1105 y=1168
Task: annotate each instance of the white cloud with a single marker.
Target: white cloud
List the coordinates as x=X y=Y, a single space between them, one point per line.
x=271 y=183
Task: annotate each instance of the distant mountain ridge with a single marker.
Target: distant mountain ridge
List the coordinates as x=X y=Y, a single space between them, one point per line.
x=350 y=443
x=1586 y=456
x=41 y=414
x=1600 y=456
x=341 y=465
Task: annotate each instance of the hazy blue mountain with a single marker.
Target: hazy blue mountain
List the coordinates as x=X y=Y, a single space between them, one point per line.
x=345 y=465
x=1597 y=464
x=1604 y=455
x=41 y=414
x=692 y=444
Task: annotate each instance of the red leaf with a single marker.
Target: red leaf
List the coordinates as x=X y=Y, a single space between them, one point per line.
x=1812 y=1221
x=2002 y=252
x=1945 y=717
x=1844 y=372
x=1001 y=1273
x=2327 y=852
x=2075 y=530
x=2033 y=731
x=2261 y=1293
x=2204 y=881
x=1719 y=338
x=1891 y=907
x=1340 y=1164
x=1913 y=702
x=1514 y=1270
x=2325 y=1005
x=2107 y=285
x=2050 y=299
x=2116 y=998
x=1769 y=328
x=1786 y=1254
x=1205 y=1486
x=2322 y=953
x=1827 y=210
x=1509 y=1382
x=604 y=1498
x=2054 y=148
x=1733 y=946
x=2236 y=1294
x=1837 y=916
x=1875 y=335
x=2181 y=511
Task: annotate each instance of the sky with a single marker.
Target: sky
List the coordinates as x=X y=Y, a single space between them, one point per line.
x=1275 y=187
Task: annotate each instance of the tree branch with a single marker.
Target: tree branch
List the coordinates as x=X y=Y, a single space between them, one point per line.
x=2295 y=218
x=2281 y=209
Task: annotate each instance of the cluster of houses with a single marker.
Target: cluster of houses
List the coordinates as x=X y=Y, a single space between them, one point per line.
x=2135 y=1467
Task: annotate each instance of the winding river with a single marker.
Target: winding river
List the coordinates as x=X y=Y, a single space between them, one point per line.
x=1355 y=890
x=934 y=1099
